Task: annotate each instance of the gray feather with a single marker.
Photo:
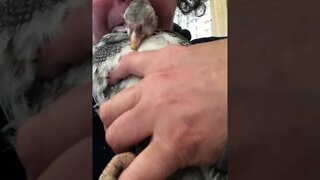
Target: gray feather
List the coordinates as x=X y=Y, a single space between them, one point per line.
x=107 y=55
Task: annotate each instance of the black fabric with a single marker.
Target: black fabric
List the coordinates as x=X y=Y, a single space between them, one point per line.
x=184 y=32
x=11 y=168
x=206 y=39
x=102 y=153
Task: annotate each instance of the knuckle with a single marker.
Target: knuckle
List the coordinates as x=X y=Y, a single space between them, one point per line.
x=167 y=67
x=178 y=137
x=127 y=60
x=164 y=101
x=170 y=150
x=124 y=60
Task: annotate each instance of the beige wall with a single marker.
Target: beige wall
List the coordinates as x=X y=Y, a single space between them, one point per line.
x=219 y=15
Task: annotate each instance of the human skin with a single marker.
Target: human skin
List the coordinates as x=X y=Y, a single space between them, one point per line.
x=108 y=14
x=89 y=22
x=274 y=126
x=38 y=166
x=184 y=105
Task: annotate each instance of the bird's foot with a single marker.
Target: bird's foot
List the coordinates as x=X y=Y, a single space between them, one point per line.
x=117 y=164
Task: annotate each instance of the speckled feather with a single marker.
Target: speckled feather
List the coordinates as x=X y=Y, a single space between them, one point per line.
x=22 y=95
x=107 y=55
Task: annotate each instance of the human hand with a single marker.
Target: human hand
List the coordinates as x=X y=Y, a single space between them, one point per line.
x=181 y=102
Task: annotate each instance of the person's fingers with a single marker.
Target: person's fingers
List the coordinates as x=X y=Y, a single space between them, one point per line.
x=74 y=163
x=72 y=45
x=129 y=129
x=156 y=162
x=55 y=129
x=136 y=63
x=119 y=104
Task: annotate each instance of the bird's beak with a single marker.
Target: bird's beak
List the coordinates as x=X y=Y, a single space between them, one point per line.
x=135 y=40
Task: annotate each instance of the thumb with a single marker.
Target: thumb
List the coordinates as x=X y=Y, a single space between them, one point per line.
x=156 y=162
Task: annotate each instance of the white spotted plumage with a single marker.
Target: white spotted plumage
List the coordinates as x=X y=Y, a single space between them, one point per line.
x=107 y=55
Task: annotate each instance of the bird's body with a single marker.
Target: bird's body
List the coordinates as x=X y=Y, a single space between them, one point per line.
x=107 y=55
x=108 y=52
x=24 y=27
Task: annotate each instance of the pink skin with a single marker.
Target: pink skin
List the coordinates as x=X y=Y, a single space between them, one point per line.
x=108 y=14
x=168 y=66
x=61 y=51
x=71 y=46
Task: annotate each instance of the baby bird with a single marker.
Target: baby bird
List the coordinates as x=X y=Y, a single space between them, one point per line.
x=141 y=21
x=140 y=34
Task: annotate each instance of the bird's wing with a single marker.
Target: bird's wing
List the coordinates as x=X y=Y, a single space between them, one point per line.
x=107 y=54
x=109 y=46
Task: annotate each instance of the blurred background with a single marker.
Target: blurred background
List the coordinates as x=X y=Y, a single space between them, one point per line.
x=214 y=21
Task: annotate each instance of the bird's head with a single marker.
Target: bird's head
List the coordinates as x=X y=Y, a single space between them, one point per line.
x=141 y=21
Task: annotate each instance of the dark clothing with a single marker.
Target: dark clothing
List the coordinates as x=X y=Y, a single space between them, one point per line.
x=11 y=168
x=102 y=152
